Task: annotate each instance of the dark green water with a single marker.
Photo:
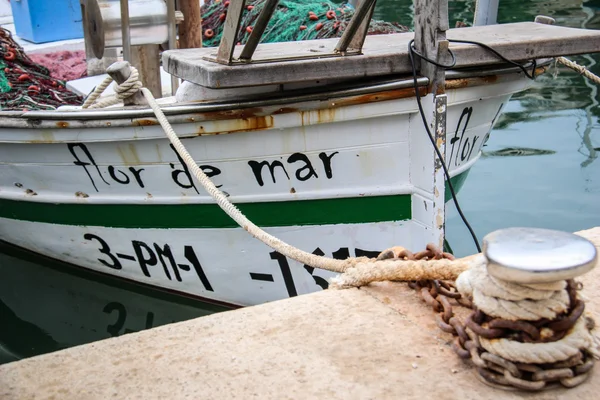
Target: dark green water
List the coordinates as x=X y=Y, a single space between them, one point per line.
x=43 y=307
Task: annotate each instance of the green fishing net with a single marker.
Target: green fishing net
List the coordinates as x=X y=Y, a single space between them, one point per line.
x=4 y=86
x=291 y=21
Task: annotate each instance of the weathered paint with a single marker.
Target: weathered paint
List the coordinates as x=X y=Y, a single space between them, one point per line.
x=469 y=82
x=144 y=122
x=438 y=124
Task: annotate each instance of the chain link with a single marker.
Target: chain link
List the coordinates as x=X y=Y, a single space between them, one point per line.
x=494 y=369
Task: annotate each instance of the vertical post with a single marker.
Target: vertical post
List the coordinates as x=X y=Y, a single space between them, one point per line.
x=173 y=38
x=431 y=24
x=486 y=12
x=125 y=34
x=145 y=58
x=190 y=29
x=95 y=65
x=439 y=179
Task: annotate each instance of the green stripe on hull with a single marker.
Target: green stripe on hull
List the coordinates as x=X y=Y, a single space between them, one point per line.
x=160 y=216
x=457 y=183
x=286 y=213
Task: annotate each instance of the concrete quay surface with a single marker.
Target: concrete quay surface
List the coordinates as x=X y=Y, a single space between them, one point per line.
x=377 y=342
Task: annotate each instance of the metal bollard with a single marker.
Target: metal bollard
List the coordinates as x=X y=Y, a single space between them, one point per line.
x=533 y=255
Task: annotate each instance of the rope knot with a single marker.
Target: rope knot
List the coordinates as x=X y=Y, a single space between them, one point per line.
x=130 y=87
x=125 y=90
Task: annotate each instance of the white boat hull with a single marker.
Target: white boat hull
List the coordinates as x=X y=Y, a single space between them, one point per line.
x=349 y=178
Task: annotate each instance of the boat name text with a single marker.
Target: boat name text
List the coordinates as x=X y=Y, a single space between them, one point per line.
x=101 y=175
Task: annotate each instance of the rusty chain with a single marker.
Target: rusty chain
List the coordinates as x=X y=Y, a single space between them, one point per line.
x=493 y=369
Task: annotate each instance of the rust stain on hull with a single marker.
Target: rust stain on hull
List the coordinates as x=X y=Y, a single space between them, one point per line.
x=129 y=155
x=322 y=116
x=380 y=96
x=262 y=118
x=243 y=124
x=144 y=122
x=46 y=137
x=480 y=80
x=462 y=83
x=228 y=114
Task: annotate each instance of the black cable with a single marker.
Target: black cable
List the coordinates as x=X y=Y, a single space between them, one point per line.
x=500 y=56
x=429 y=60
x=530 y=75
x=411 y=52
x=437 y=150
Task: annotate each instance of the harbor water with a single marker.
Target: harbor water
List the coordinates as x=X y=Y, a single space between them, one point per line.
x=540 y=168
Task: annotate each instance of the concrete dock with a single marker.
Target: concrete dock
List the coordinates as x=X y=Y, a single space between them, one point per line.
x=377 y=342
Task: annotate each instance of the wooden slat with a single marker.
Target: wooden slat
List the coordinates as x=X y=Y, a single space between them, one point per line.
x=431 y=25
x=190 y=29
x=382 y=55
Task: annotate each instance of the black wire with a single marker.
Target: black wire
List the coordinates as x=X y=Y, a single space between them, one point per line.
x=429 y=60
x=500 y=56
x=411 y=52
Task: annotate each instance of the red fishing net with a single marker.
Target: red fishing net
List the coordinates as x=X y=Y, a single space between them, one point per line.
x=26 y=85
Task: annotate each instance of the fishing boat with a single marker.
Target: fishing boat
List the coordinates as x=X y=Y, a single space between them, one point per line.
x=320 y=142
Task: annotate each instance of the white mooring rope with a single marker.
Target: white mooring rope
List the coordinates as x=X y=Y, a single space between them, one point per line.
x=579 y=68
x=126 y=89
x=514 y=302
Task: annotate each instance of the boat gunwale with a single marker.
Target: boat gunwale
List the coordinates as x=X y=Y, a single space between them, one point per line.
x=129 y=115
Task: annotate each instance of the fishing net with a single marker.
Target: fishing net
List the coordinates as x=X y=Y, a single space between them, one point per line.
x=291 y=21
x=4 y=86
x=26 y=85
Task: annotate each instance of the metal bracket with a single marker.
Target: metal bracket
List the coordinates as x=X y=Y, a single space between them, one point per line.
x=125 y=33
x=230 y=31
x=354 y=36
x=259 y=28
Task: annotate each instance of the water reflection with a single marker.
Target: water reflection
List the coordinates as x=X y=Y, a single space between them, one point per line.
x=516 y=152
x=46 y=306
x=563 y=89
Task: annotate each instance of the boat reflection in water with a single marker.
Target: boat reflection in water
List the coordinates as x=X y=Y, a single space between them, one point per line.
x=47 y=306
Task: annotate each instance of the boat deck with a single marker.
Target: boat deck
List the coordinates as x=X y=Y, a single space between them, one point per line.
x=277 y=63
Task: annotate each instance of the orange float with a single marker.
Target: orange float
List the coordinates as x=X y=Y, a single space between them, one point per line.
x=10 y=56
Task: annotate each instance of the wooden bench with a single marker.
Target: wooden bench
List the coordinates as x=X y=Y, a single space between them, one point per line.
x=278 y=63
